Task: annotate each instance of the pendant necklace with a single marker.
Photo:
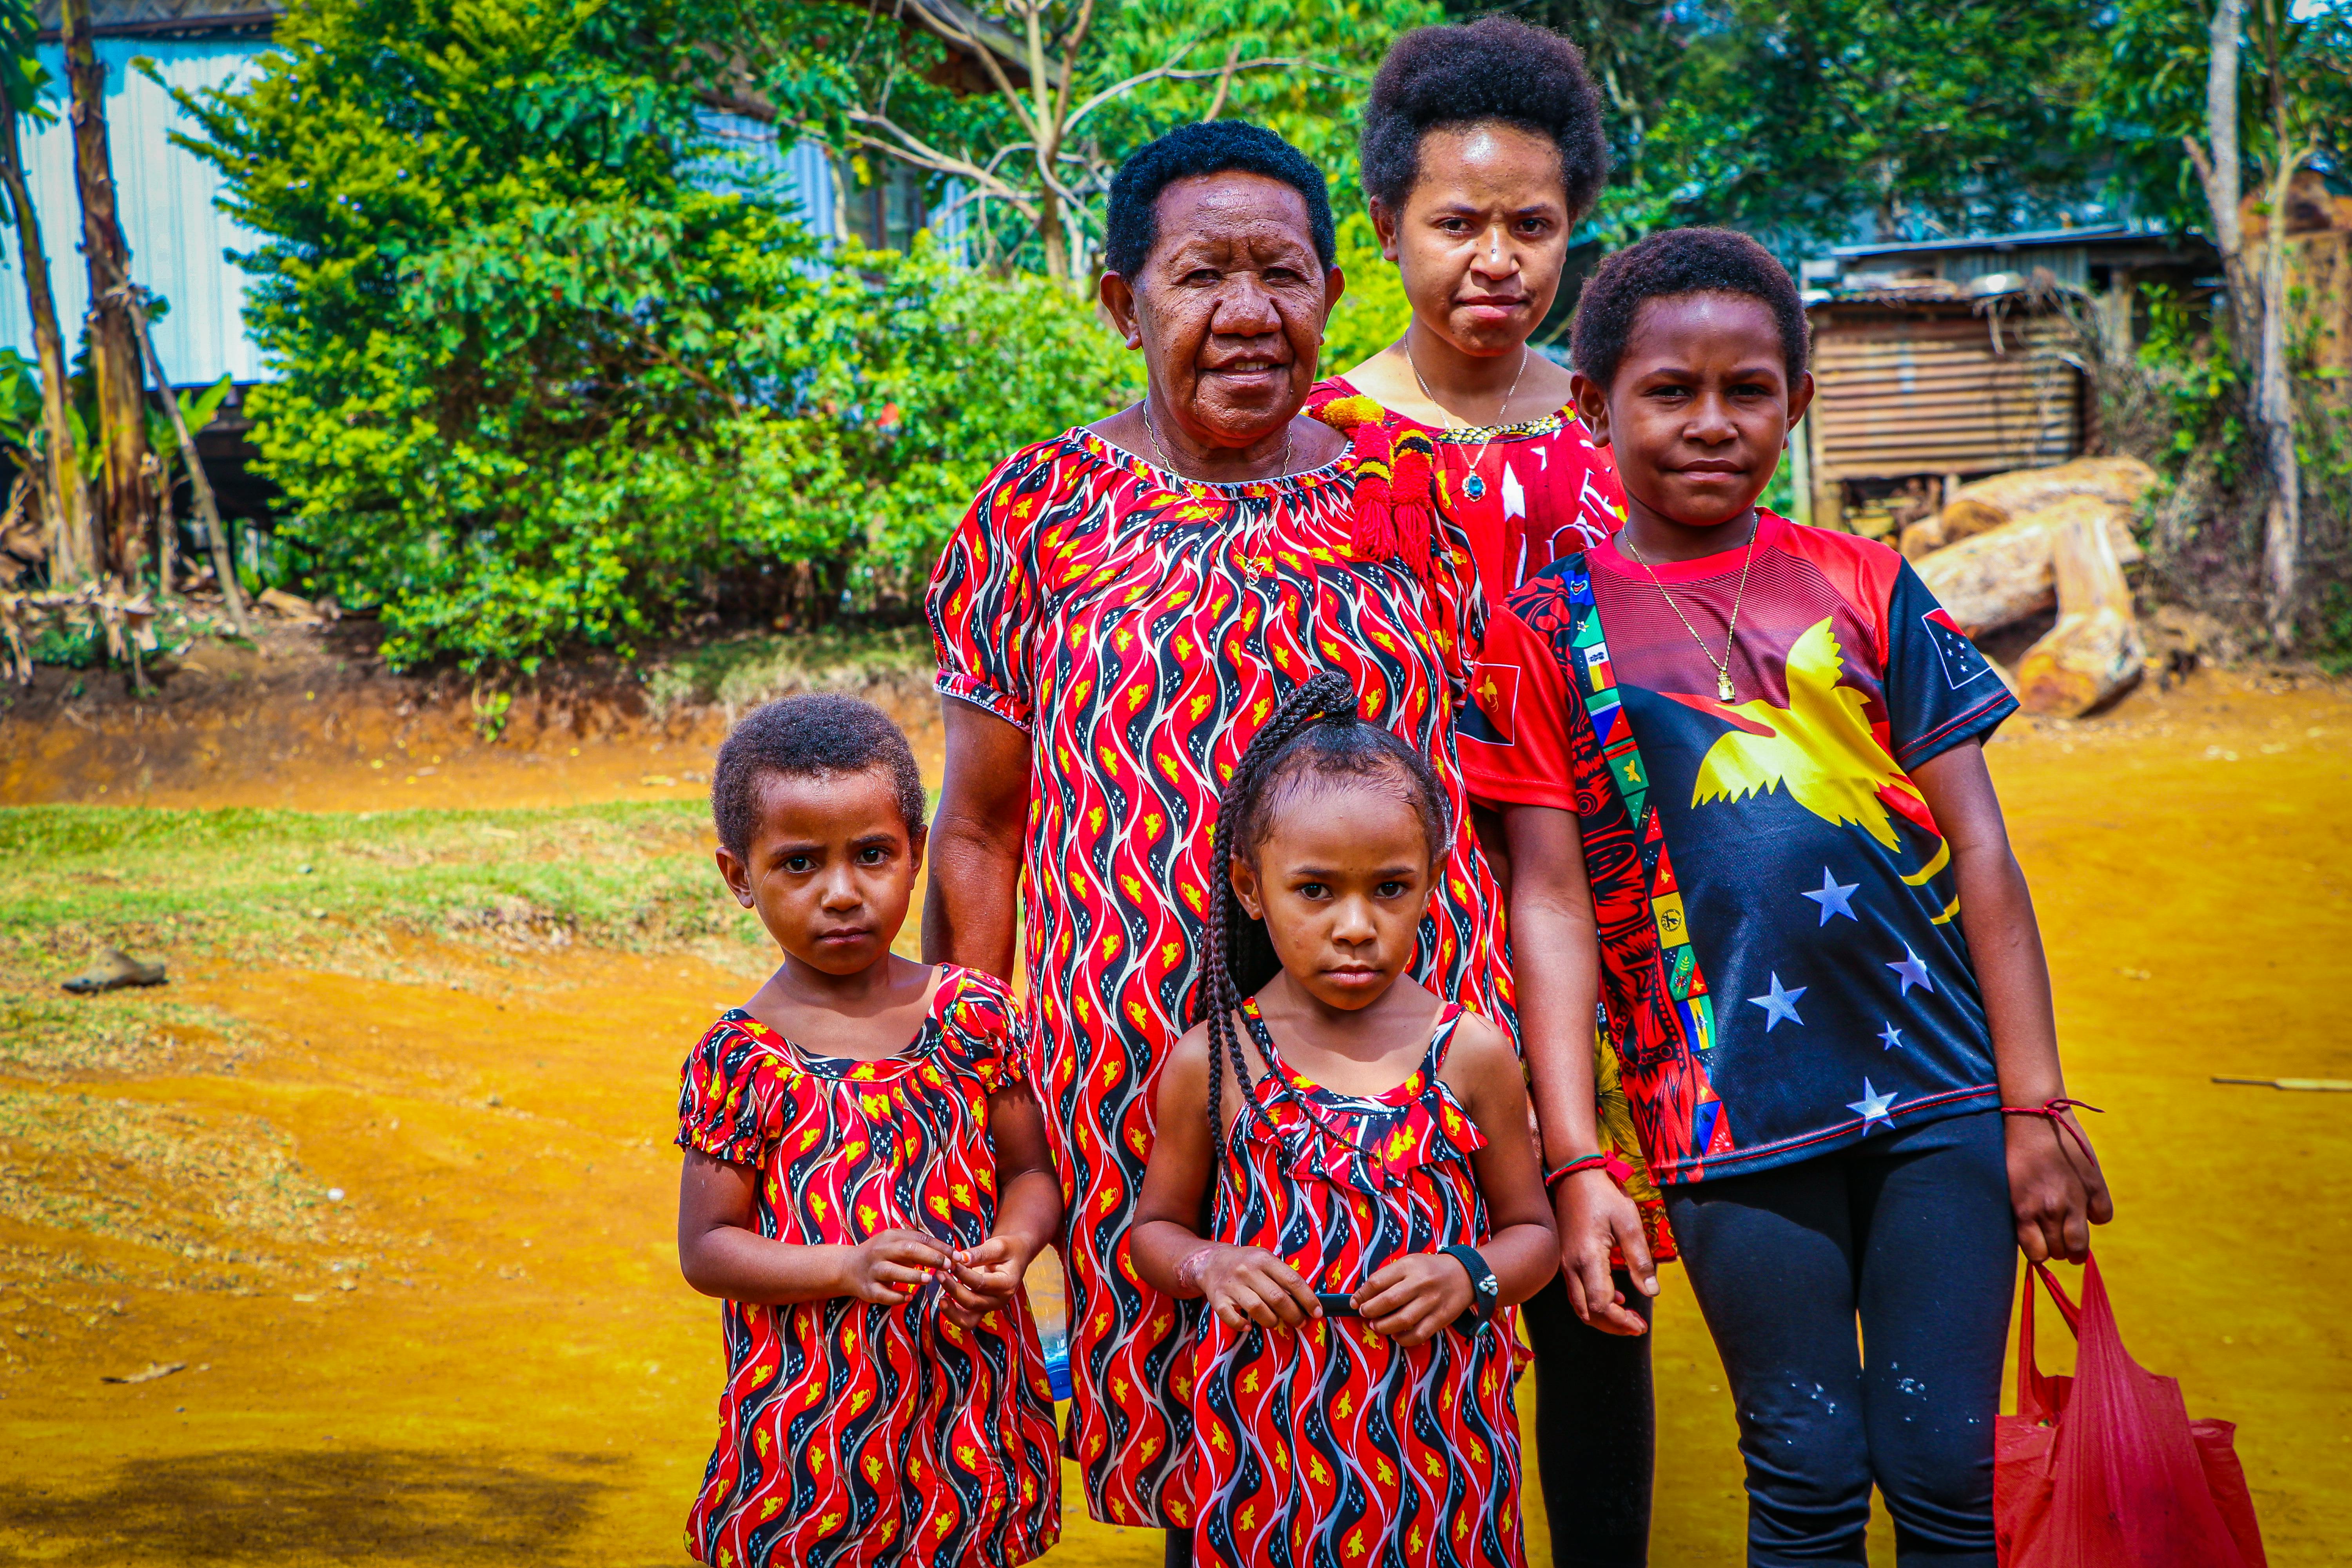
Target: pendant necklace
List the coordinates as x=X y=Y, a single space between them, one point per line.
x=1473 y=486
x=1731 y=634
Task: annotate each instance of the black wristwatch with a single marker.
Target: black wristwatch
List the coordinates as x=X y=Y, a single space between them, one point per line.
x=1486 y=1290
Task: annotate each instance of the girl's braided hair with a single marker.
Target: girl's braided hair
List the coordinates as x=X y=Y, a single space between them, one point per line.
x=1316 y=733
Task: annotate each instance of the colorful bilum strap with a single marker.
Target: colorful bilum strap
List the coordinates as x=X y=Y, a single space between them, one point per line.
x=1693 y=1008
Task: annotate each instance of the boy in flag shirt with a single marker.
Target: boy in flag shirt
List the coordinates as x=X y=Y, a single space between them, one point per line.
x=1740 y=763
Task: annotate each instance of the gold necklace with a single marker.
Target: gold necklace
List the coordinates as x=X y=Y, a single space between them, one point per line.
x=1731 y=633
x=1288 y=442
x=1473 y=486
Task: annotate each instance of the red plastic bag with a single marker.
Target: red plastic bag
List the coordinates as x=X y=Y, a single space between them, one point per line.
x=2104 y=1469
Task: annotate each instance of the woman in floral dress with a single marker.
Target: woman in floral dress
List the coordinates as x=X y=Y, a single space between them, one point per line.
x=1123 y=607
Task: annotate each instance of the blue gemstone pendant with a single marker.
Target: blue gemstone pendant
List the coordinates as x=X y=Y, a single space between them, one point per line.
x=1474 y=487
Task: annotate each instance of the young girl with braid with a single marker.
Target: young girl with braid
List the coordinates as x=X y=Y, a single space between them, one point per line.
x=1359 y=1149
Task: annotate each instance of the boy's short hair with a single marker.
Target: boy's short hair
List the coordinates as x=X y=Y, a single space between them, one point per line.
x=821 y=734
x=1131 y=223
x=1681 y=262
x=1497 y=68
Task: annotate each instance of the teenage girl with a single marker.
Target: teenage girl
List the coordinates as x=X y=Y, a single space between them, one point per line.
x=1360 y=1151
x=1748 y=758
x=1482 y=152
x=866 y=1180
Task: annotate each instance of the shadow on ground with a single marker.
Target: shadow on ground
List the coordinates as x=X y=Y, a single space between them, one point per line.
x=272 y=1506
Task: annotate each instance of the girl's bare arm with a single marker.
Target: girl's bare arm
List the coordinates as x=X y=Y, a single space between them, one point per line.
x=2056 y=1187
x=1242 y=1284
x=721 y=1252
x=1556 y=976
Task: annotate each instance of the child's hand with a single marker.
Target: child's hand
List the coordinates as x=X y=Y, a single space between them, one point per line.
x=1414 y=1299
x=2055 y=1188
x=1595 y=1215
x=982 y=1279
x=1246 y=1285
x=891 y=1265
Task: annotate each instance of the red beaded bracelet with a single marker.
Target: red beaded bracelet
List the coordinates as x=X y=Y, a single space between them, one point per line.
x=1581 y=1163
x=2056 y=1110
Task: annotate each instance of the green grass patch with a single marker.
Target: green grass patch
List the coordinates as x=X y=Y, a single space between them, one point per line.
x=329 y=889
x=742 y=671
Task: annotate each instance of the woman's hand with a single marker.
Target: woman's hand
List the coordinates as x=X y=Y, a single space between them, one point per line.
x=1246 y=1285
x=890 y=1264
x=2056 y=1187
x=1414 y=1299
x=1595 y=1215
x=982 y=1280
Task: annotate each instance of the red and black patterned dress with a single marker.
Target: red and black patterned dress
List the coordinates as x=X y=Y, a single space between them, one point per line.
x=1329 y=1443
x=1141 y=627
x=854 y=1434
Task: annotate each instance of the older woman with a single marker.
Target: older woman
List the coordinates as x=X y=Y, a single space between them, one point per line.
x=1121 y=608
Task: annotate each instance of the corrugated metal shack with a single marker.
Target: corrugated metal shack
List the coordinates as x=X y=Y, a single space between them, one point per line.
x=1941 y=361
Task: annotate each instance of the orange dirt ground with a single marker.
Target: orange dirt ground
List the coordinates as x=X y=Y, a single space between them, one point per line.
x=518 y=1373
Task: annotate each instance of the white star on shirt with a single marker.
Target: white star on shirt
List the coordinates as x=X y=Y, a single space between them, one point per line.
x=1893 y=1037
x=1779 y=1004
x=1913 y=972
x=1873 y=1106
x=1515 y=495
x=1835 y=899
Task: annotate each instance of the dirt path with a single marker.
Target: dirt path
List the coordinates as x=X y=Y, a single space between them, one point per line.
x=506 y=1362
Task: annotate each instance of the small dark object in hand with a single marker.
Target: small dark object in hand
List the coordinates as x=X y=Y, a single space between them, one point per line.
x=1338 y=1304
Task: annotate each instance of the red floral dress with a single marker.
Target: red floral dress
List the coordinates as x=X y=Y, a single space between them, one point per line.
x=853 y=1434
x=1545 y=492
x=1542 y=489
x=1141 y=627
x=1329 y=1443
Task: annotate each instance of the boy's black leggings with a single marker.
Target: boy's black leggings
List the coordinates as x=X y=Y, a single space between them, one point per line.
x=1911 y=1233
x=1596 y=1431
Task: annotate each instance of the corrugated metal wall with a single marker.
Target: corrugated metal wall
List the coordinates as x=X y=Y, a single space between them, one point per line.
x=177 y=232
x=1904 y=394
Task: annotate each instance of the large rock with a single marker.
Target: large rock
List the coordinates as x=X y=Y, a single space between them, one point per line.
x=1988 y=503
x=2006 y=574
x=2094 y=652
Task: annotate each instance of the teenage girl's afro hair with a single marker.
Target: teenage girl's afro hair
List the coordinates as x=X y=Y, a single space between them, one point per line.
x=819 y=735
x=1681 y=262
x=1498 y=68
x=1216 y=147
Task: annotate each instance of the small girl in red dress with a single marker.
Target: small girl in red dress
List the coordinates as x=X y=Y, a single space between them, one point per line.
x=1372 y=1193
x=866 y=1180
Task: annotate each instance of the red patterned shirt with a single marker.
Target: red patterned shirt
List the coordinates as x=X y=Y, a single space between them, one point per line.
x=854 y=1434
x=1542 y=489
x=1141 y=627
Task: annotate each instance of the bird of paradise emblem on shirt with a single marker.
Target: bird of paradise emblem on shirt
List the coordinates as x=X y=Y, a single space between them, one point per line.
x=1821 y=750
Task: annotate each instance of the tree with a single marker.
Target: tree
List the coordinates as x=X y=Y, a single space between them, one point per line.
x=22 y=78
x=548 y=369
x=1793 y=120
x=128 y=509
x=1030 y=105
x=2246 y=95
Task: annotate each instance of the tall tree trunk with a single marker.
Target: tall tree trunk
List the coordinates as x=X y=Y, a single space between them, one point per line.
x=2274 y=393
x=126 y=486
x=2218 y=165
x=77 y=549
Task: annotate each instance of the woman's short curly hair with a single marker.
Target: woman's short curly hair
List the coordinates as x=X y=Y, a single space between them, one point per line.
x=1681 y=262
x=1497 y=68
x=1131 y=225
x=821 y=734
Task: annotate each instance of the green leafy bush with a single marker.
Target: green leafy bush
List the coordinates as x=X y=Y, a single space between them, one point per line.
x=547 y=371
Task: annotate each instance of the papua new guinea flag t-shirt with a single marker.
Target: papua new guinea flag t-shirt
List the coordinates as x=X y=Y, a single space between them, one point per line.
x=1784 y=971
